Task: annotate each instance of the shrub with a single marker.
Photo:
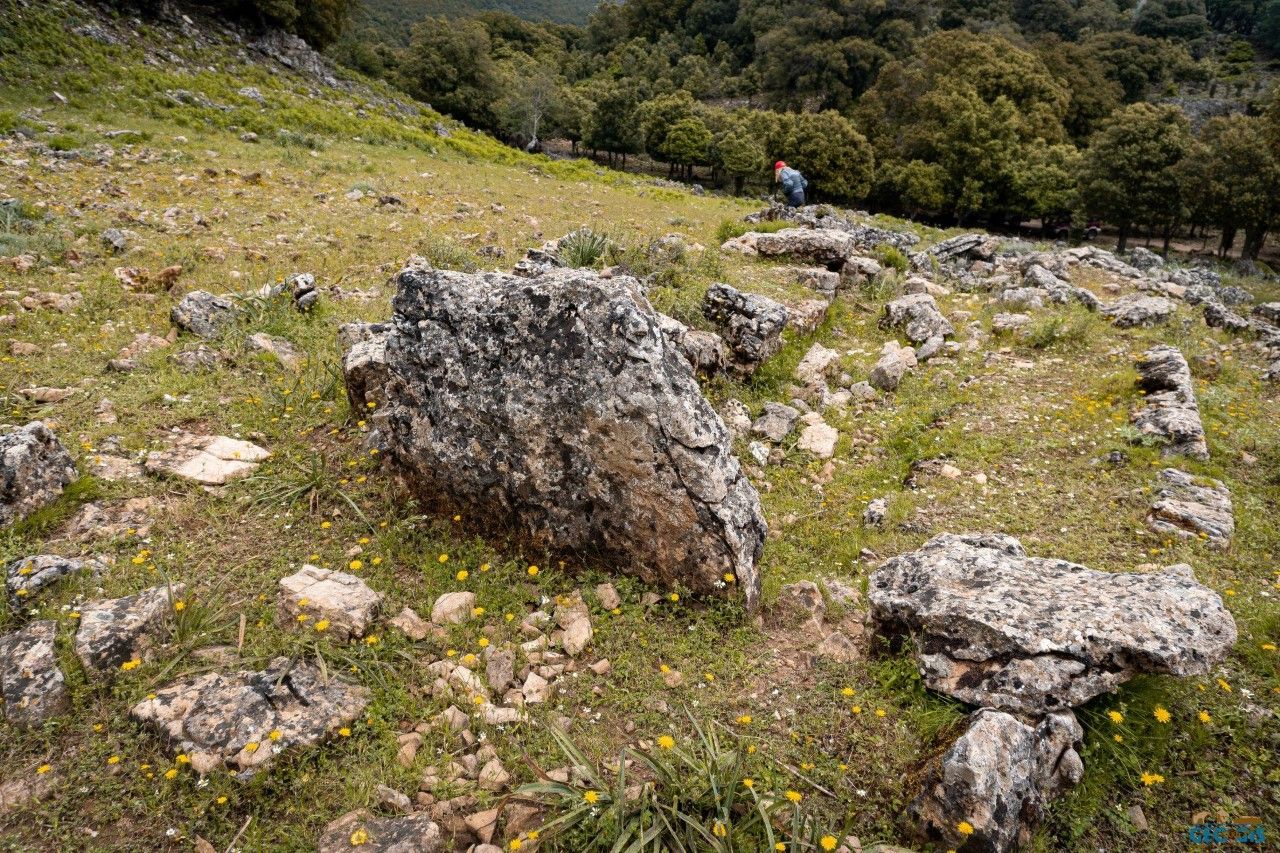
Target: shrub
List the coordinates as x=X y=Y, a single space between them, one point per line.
x=584 y=248
x=892 y=256
x=730 y=228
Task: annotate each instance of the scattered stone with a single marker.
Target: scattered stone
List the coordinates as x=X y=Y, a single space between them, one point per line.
x=453 y=608
x=998 y=778
x=208 y=460
x=1184 y=508
x=411 y=624
x=34 y=469
x=526 y=364
x=1218 y=316
x=1170 y=411
x=198 y=358
x=100 y=520
x=285 y=352
x=390 y=798
x=705 y=351
x=302 y=290
x=608 y=596
x=342 y=600
x=25 y=577
x=499 y=669
x=31 y=684
x=995 y=627
x=115 y=240
x=918 y=316
x=776 y=421
x=823 y=246
x=116 y=631
x=893 y=365
x=203 y=314
x=818 y=437
x=863 y=392
x=574 y=620
x=1009 y=323
x=1138 y=309
x=42 y=394
x=874 y=514
x=220 y=719
x=752 y=324
x=812 y=369
x=820 y=279
x=27 y=789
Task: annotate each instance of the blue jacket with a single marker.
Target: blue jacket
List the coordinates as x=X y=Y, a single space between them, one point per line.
x=791 y=180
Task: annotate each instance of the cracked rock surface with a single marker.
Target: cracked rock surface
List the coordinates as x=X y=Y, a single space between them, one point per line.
x=1185 y=508
x=34 y=468
x=1171 y=412
x=752 y=324
x=114 y=631
x=995 y=627
x=25 y=577
x=343 y=600
x=31 y=684
x=556 y=404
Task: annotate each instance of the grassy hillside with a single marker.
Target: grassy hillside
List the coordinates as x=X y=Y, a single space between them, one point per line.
x=150 y=139
x=389 y=21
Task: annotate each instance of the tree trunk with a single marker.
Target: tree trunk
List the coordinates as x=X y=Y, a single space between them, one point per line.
x=1123 y=240
x=1253 y=240
x=738 y=182
x=1168 y=234
x=1228 y=240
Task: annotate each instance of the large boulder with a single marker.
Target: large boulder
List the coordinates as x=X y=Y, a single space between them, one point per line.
x=1170 y=412
x=34 y=469
x=825 y=246
x=243 y=721
x=1138 y=309
x=997 y=778
x=203 y=314
x=918 y=316
x=752 y=324
x=31 y=684
x=556 y=405
x=995 y=627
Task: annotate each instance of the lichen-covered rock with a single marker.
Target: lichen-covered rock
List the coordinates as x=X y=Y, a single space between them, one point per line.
x=752 y=324
x=1219 y=316
x=203 y=314
x=776 y=421
x=1170 y=412
x=918 y=316
x=343 y=601
x=34 y=469
x=1009 y=323
x=1184 y=508
x=364 y=362
x=227 y=720
x=997 y=778
x=1138 y=309
x=414 y=833
x=25 y=577
x=556 y=406
x=893 y=364
x=118 y=630
x=1057 y=289
x=1268 y=311
x=824 y=246
x=283 y=351
x=211 y=460
x=31 y=684
x=995 y=627
x=705 y=351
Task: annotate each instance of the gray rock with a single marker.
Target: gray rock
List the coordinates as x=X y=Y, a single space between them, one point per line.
x=873 y=515
x=1009 y=323
x=822 y=246
x=995 y=627
x=203 y=314
x=998 y=777
x=705 y=351
x=736 y=417
x=34 y=469
x=226 y=720
x=115 y=240
x=25 y=577
x=1269 y=311
x=283 y=351
x=893 y=365
x=952 y=247
x=1022 y=297
x=31 y=684
x=1184 y=508
x=210 y=460
x=929 y=348
x=1218 y=316
x=807 y=315
x=302 y=290
x=1144 y=259
x=1170 y=412
x=343 y=600
x=818 y=437
x=918 y=316
x=863 y=392
x=200 y=357
x=752 y=324
x=820 y=279
x=117 y=630
x=813 y=368
x=364 y=362
x=776 y=421
x=414 y=833
x=1138 y=309
x=1232 y=295
x=557 y=405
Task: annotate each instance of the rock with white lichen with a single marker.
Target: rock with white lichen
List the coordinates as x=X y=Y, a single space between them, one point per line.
x=34 y=469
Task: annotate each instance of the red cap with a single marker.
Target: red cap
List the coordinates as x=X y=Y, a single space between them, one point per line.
x=779 y=165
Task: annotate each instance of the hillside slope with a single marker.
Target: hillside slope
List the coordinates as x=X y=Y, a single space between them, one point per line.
x=131 y=149
x=390 y=21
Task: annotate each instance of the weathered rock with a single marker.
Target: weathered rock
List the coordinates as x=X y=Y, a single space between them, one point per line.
x=1218 y=316
x=302 y=290
x=1144 y=259
x=818 y=437
x=411 y=624
x=101 y=520
x=1027 y=298
x=221 y=719
x=31 y=684
x=1138 y=309
x=1170 y=411
x=342 y=600
x=25 y=577
x=556 y=404
x=210 y=460
x=34 y=468
x=752 y=324
x=918 y=316
x=360 y=830
x=807 y=315
x=820 y=279
x=827 y=247
x=893 y=365
x=198 y=358
x=574 y=619
x=118 y=630
x=453 y=608
x=284 y=352
x=800 y=603
x=1009 y=323
x=998 y=778
x=1269 y=311
x=995 y=627
x=776 y=421
x=203 y=314
x=873 y=515
x=1184 y=508
x=499 y=669
x=812 y=369
x=608 y=596
x=364 y=362
x=705 y=351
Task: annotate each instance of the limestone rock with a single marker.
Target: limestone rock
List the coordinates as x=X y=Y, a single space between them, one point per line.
x=918 y=316
x=345 y=601
x=998 y=777
x=31 y=684
x=1026 y=298
x=208 y=460
x=284 y=352
x=25 y=577
x=203 y=314
x=812 y=369
x=411 y=624
x=818 y=437
x=807 y=315
x=117 y=630
x=1184 y=508
x=873 y=515
x=34 y=468
x=556 y=405
x=608 y=596
x=823 y=246
x=705 y=351
x=1170 y=411
x=215 y=717
x=414 y=833
x=1139 y=310
x=574 y=619
x=893 y=365
x=995 y=627
x=776 y=421
x=453 y=608
x=364 y=362
x=1008 y=323
x=1218 y=316
x=752 y=324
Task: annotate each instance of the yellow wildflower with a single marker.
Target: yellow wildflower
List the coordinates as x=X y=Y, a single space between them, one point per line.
x=115 y=759
x=355 y=565
x=794 y=796
x=344 y=732
x=533 y=571
x=130 y=664
x=744 y=720
x=748 y=783
x=483 y=642
x=1150 y=779
x=276 y=734
x=359 y=837
x=43 y=769
x=719 y=830
x=828 y=842
x=171 y=773
x=1204 y=717
x=1161 y=715
x=1115 y=717
x=179 y=606
x=666 y=741
x=591 y=797
x=964 y=828
x=463 y=575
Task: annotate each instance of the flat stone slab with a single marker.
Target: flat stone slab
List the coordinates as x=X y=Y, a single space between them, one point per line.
x=31 y=683
x=204 y=314
x=227 y=720
x=997 y=628
x=118 y=630
x=1139 y=310
x=1170 y=411
x=211 y=460
x=1190 y=510
x=343 y=601
x=25 y=577
x=361 y=831
x=34 y=469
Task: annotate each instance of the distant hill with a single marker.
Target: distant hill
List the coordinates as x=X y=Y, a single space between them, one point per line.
x=391 y=19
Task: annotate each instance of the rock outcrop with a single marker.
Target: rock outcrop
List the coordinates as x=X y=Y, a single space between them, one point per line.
x=752 y=324
x=31 y=684
x=1185 y=508
x=34 y=469
x=1170 y=412
x=25 y=577
x=360 y=830
x=995 y=627
x=1139 y=310
x=243 y=721
x=116 y=631
x=557 y=405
